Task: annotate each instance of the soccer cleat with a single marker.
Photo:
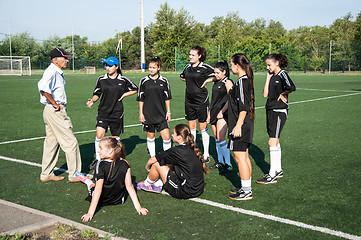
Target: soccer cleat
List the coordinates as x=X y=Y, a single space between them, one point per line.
x=206 y=160
x=140 y=185
x=81 y=177
x=267 y=179
x=225 y=169
x=235 y=190
x=279 y=174
x=151 y=188
x=241 y=195
x=215 y=166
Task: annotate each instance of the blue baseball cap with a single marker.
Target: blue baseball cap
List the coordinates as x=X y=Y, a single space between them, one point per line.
x=112 y=61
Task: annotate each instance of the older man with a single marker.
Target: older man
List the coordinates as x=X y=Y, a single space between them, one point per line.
x=58 y=126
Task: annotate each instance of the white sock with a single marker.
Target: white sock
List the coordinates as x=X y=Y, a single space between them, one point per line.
x=167 y=144
x=205 y=141
x=219 y=152
x=97 y=141
x=194 y=133
x=274 y=159
x=89 y=183
x=151 y=146
x=158 y=182
x=246 y=185
x=279 y=163
x=118 y=139
x=148 y=182
x=225 y=152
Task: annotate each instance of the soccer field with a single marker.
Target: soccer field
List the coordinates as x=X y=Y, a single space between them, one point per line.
x=318 y=197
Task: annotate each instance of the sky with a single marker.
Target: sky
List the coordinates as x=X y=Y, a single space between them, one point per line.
x=100 y=20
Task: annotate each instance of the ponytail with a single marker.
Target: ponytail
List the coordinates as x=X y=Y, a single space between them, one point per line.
x=184 y=131
x=118 y=151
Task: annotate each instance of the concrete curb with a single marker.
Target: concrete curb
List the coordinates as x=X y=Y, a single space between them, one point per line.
x=52 y=219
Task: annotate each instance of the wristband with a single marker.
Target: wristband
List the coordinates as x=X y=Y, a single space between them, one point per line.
x=169 y=112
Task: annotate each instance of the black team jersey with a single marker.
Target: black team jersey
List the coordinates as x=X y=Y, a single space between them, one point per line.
x=187 y=167
x=110 y=91
x=114 y=190
x=154 y=93
x=239 y=98
x=195 y=77
x=219 y=98
x=278 y=84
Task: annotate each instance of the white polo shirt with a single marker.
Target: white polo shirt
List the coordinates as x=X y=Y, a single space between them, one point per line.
x=52 y=82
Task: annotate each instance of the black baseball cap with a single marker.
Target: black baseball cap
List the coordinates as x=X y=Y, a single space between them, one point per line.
x=58 y=52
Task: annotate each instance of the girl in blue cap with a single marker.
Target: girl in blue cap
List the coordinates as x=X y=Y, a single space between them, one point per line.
x=111 y=88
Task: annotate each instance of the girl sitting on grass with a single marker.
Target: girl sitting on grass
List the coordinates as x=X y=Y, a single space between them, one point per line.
x=181 y=167
x=113 y=180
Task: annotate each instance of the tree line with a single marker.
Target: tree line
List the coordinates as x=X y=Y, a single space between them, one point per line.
x=175 y=31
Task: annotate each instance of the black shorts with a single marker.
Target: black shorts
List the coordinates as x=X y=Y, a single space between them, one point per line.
x=152 y=127
x=215 y=120
x=193 y=112
x=237 y=144
x=116 y=127
x=173 y=185
x=276 y=119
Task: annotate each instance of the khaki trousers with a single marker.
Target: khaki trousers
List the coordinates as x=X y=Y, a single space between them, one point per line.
x=59 y=134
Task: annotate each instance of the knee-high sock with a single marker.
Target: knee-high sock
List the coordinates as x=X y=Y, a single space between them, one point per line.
x=219 y=152
x=194 y=133
x=225 y=152
x=274 y=160
x=96 y=143
x=167 y=144
x=279 y=163
x=205 y=141
x=151 y=146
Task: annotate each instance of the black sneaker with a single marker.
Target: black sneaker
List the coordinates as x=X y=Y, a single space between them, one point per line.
x=267 y=179
x=225 y=169
x=241 y=195
x=279 y=174
x=235 y=190
x=93 y=164
x=215 y=166
x=207 y=160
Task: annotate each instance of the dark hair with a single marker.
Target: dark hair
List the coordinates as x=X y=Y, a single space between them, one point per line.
x=223 y=66
x=184 y=131
x=281 y=58
x=119 y=71
x=118 y=150
x=156 y=60
x=201 y=51
x=242 y=60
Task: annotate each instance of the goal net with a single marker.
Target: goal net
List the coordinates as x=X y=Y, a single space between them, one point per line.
x=15 y=65
x=90 y=70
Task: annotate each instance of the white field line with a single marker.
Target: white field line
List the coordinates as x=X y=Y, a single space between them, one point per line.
x=177 y=119
x=326 y=90
x=235 y=209
x=87 y=131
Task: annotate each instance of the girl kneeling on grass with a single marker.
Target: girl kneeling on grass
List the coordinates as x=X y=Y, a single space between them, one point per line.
x=181 y=167
x=113 y=180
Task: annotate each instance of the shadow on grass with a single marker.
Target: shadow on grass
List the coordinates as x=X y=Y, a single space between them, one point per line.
x=258 y=156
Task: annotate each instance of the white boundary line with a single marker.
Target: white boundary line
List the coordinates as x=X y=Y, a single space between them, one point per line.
x=235 y=209
x=326 y=90
x=177 y=119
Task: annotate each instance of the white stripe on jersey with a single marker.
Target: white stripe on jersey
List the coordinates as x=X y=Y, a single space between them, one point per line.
x=283 y=75
x=241 y=93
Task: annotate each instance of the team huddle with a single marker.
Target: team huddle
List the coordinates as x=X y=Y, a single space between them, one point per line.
x=178 y=170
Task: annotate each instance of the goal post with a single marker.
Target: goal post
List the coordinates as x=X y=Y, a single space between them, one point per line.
x=15 y=65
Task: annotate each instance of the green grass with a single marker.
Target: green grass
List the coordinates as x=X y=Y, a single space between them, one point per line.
x=320 y=151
